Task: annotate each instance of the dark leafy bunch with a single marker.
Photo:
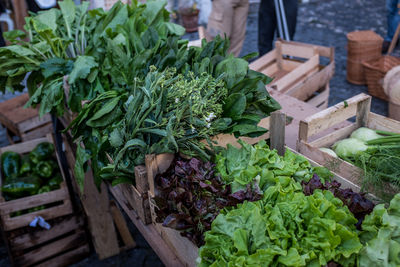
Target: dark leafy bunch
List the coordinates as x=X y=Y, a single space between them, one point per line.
x=357 y=203
x=96 y=49
x=191 y=196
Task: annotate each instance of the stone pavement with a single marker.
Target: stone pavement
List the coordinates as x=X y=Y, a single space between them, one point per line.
x=323 y=22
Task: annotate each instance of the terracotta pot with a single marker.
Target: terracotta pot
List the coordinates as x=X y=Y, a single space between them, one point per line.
x=190 y=19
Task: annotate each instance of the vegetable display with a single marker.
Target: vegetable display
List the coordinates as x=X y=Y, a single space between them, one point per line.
x=291 y=230
x=168 y=111
x=138 y=89
x=145 y=90
x=191 y=196
x=377 y=153
x=37 y=174
x=381 y=236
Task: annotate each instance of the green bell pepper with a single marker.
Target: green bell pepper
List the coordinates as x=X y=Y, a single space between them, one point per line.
x=21 y=186
x=41 y=152
x=44 y=189
x=55 y=182
x=26 y=166
x=44 y=168
x=10 y=163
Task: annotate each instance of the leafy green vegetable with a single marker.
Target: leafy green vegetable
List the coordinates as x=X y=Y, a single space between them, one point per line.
x=381 y=236
x=258 y=165
x=291 y=230
x=349 y=147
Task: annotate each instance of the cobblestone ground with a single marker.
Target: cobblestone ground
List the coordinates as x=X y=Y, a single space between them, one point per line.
x=319 y=22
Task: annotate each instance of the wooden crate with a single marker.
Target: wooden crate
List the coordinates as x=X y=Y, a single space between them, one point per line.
x=59 y=199
x=63 y=244
x=104 y=218
x=21 y=122
x=297 y=71
x=183 y=248
x=137 y=195
x=316 y=124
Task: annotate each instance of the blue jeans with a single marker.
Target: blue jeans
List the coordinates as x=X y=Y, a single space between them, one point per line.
x=393 y=18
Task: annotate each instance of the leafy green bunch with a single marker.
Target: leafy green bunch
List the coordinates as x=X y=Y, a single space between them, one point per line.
x=381 y=236
x=74 y=42
x=148 y=119
x=261 y=167
x=288 y=230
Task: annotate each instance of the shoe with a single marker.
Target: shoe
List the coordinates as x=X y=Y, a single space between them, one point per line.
x=385 y=47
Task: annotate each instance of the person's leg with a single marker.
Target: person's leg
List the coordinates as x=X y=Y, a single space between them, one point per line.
x=266 y=26
x=393 y=18
x=2 y=42
x=291 y=16
x=239 y=26
x=220 y=20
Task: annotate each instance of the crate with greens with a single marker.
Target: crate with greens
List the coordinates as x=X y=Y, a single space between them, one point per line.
x=249 y=206
x=366 y=152
x=32 y=184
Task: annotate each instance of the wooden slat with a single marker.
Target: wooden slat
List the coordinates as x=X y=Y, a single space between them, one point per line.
x=51 y=249
x=263 y=61
x=270 y=70
x=26 y=147
x=156 y=164
x=282 y=84
x=296 y=50
x=309 y=85
x=362 y=115
x=34 y=122
x=33 y=201
x=290 y=65
x=48 y=214
x=300 y=80
x=323 y=51
x=320 y=100
x=149 y=232
x=279 y=55
x=67 y=258
x=334 y=136
x=333 y=115
x=142 y=184
x=120 y=223
x=97 y=208
x=277 y=131
x=37 y=133
x=186 y=251
x=138 y=201
x=38 y=237
x=379 y=122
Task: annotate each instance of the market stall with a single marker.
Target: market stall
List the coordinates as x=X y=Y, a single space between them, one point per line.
x=196 y=146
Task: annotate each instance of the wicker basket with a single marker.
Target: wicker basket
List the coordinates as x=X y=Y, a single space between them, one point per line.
x=375 y=71
x=361 y=46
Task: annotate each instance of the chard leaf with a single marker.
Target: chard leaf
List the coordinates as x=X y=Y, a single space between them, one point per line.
x=234 y=106
x=82 y=68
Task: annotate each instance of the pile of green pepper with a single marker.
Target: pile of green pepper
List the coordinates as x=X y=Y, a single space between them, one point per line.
x=30 y=174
